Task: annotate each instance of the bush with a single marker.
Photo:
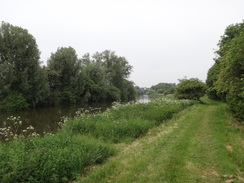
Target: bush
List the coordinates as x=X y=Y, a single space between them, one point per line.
x=67 y=97
x=14 y=102
x=112 y=93
x=191 y=89
x=58 y=158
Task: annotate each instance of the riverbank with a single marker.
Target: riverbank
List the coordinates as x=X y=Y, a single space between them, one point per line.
x=200 y=144
x=46 y=118
x=87 y=140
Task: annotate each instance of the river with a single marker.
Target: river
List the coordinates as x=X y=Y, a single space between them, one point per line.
x=45 y=119
x=144 y=99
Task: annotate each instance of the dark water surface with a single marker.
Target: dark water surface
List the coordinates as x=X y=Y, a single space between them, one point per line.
x=45 y=119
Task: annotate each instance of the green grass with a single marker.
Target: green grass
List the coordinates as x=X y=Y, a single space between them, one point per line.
x=58 y=158
x=83 y=142
x=126 y=122
x=200 y=144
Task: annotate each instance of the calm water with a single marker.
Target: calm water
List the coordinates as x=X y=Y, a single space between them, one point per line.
x=144 y=99
x=46 y=118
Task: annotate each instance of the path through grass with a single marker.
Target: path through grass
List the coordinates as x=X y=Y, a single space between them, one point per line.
x=200 y=144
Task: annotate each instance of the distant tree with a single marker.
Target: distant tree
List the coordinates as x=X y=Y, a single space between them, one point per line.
x=112 y=76
x=150 y=91
x=190 y=89
x=118 y=70
x=170 y=91
x=164 y=87
x=117 y=67
x=20 y=71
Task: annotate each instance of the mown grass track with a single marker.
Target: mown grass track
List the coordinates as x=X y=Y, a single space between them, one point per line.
x=200 y=144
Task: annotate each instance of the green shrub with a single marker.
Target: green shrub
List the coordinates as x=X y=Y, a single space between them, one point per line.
x=192 y=89
x=14 y=102
x=67 y=97
x=58 y=158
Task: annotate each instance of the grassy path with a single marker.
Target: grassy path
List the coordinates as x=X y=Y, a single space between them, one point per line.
x=200 y=144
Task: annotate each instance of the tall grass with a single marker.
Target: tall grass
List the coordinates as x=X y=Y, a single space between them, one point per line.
x=86 y=140
x=125 y=122
x=58 y=158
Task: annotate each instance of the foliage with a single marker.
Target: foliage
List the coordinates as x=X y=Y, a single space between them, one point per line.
x=166 y=88
x=19 y=65
x=112 y=93
x=231 y=76
x=140 y=91
x=58 y=158
x=63 y=73
x=212 y=77
x=150 y=91
x=190 y=89
x=170 y=91
x=13 y=102
x=225 y=77
x=66 y=78
x=105 y=71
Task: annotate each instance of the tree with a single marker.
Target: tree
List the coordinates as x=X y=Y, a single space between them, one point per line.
x=95 y=81
x=110 y=71
x=212 y=77
x=231 y=76
x=166 y=88
x=225 y=77
x=64 y=73
x=20 y=70
x=190 y=89
x=118 y=70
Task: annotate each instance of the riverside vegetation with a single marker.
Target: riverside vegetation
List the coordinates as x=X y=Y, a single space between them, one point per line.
x=202 y=143
x=81 y=142
x=66 y=79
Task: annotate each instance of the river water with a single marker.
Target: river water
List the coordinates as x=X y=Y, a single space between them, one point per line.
x=144 y=99
x=45 y=119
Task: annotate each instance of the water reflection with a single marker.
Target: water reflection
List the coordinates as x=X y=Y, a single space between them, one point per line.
x=144 y=99
x=46 y=118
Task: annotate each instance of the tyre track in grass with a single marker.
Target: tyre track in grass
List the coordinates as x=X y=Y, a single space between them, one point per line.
x=183 y=149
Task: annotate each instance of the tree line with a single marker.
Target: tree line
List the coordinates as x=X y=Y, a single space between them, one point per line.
x=225 y=78
x=65 y=79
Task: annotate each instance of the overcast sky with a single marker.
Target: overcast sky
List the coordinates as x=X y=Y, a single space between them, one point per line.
x=164 y=40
